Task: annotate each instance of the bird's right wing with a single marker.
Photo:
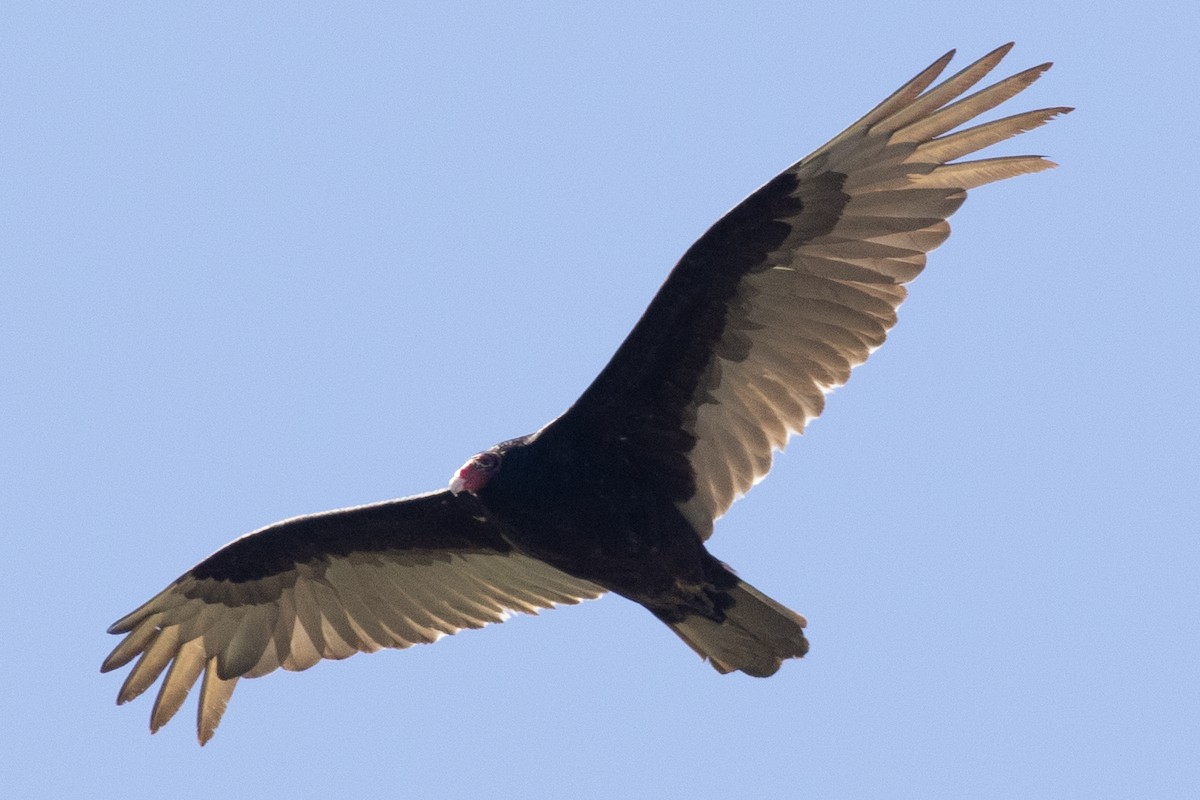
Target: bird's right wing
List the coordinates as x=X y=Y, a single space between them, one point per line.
x=329 y=585
x=771 y=308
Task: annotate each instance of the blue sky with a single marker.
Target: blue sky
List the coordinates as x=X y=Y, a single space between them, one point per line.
x=263 y=262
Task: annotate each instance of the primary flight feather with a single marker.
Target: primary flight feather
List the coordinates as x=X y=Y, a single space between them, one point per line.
x=764 y=315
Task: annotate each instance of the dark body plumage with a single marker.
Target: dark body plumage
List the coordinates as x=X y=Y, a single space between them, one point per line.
x=582 y=504
x=762 y=317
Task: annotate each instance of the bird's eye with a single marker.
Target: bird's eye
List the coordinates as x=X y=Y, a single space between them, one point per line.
x=487 y=461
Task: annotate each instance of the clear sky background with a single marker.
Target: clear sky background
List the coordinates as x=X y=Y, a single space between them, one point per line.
x=255 y=263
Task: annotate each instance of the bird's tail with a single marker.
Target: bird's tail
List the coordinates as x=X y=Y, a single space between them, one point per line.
x=755 y=637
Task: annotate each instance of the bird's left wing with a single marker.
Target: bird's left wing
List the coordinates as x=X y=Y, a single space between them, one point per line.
x=773 y=306
x=329 y=585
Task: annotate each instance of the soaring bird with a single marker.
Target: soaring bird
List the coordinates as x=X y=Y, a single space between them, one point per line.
x=761 y=318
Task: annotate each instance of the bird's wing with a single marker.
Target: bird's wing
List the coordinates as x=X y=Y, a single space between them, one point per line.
x=329 y=585
x=771 y=308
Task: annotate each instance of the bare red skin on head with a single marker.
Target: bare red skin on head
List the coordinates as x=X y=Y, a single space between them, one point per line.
x=475 y=474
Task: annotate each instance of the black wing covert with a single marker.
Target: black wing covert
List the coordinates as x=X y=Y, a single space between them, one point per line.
x=771 y=308
x=329 y=585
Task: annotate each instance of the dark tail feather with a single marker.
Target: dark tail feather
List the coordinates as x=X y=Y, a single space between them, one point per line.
x=756 y=636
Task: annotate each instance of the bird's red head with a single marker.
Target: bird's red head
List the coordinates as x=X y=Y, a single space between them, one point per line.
x=475 y=474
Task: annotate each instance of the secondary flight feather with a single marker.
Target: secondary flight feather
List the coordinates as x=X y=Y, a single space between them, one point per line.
x=762 y=317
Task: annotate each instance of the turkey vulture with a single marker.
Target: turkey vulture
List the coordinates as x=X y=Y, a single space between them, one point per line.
x=765 y=314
